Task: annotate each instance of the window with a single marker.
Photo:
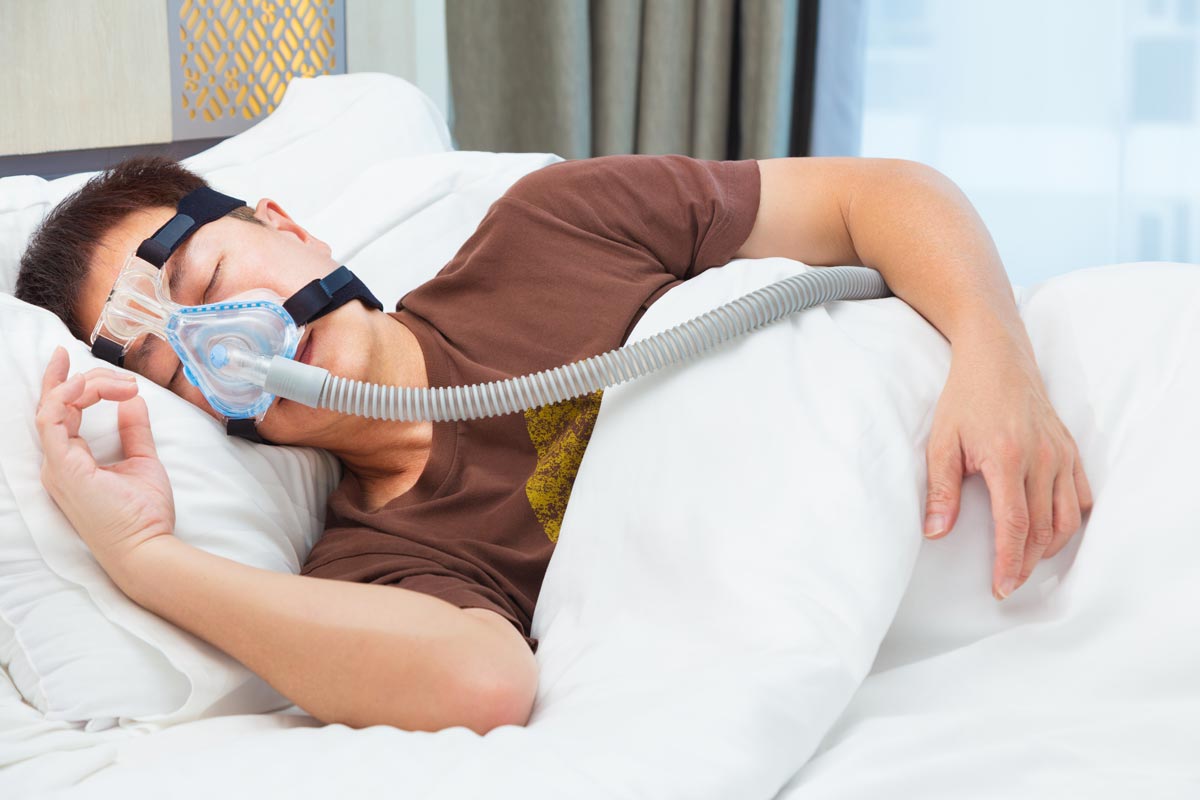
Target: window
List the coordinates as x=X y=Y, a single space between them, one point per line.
x=1072 y=126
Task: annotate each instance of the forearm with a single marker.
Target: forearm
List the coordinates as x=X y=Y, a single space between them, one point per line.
x=920 y=232
x=358 y=654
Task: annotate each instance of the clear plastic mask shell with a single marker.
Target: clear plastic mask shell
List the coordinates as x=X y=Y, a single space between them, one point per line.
x=254 y=322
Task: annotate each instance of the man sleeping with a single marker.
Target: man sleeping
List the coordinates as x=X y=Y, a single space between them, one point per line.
x=414 y=609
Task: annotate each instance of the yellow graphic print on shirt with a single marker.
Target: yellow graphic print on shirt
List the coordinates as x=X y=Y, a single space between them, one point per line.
x=560 y=434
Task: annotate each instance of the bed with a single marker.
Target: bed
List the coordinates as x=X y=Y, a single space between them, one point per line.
x=740 y=605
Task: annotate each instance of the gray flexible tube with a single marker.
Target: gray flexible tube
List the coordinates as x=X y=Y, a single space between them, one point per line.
x=304 y=383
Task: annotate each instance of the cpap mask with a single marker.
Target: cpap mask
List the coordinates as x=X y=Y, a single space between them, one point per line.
x=240 y=353
x=257 y=323
x=139 y=305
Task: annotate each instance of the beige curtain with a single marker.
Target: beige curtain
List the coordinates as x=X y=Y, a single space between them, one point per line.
x=706 y=78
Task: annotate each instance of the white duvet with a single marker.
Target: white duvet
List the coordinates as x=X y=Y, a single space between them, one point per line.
x=741 y=534
x=741 y=604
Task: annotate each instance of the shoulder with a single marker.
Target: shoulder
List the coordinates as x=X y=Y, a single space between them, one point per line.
x=602 y=174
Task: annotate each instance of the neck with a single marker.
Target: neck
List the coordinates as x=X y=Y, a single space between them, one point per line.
x=388 y=457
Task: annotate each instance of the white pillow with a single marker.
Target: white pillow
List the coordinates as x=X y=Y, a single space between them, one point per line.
x=325 y=133
x=60 y=667
x=48 y=661
x=75 y=647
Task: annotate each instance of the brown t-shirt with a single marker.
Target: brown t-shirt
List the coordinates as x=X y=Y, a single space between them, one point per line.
x=561 y=268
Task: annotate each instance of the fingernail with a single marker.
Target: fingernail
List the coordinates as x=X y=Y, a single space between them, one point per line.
x=1006 y=587
x=934 y=524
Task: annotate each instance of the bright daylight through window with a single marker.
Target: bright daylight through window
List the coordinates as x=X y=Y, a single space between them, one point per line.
x=1071 y=125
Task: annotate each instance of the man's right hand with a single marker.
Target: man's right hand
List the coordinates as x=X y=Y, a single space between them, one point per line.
x=114 y=508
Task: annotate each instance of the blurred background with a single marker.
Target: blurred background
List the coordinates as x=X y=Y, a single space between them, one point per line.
x=1070 y=124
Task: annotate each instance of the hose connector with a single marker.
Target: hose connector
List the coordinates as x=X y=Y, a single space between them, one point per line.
x=296 y=380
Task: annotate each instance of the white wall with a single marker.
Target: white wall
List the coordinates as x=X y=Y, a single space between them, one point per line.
x=401 y=37
x=79 y=75
x=1071 y=125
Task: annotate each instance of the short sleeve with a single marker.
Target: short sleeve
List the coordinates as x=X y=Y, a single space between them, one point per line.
x=362 y=555
x=464 y=594
x=689 y=214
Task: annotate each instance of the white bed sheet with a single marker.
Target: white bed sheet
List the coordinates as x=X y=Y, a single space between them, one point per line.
x=1084 y=684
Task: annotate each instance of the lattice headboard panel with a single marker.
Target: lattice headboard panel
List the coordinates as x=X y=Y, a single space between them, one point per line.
x=231 y=60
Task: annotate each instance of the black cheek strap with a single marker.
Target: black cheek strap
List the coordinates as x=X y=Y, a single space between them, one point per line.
x=245 y=429
x=318 y=298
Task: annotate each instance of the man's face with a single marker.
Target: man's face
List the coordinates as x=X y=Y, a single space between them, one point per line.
x=223 y=259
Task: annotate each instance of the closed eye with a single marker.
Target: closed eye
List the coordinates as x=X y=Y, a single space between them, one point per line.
x=212 y=283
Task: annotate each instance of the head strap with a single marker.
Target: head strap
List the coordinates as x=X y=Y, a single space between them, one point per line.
x=198 y=207
x=245 y=428
x=317 y=298
x=108 y=350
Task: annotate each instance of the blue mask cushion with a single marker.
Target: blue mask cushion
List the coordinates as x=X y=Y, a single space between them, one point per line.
x=200 y=336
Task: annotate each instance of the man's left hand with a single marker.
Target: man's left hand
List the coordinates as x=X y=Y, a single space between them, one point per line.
x=995 y=417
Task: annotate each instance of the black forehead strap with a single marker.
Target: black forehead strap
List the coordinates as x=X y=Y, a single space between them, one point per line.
x=198 y=207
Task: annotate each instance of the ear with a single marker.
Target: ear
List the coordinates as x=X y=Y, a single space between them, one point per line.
x=273 y=215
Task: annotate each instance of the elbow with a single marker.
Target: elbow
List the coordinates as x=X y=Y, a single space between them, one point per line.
x=500 y=699
x=479 y=706
x=497 y=709
x=480 y=700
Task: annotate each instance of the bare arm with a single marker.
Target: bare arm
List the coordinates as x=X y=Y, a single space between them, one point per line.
x=994 y=416
x=906 y=220
x=358 y=654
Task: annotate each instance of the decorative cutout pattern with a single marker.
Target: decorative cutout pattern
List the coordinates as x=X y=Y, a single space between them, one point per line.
x=232 y=60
